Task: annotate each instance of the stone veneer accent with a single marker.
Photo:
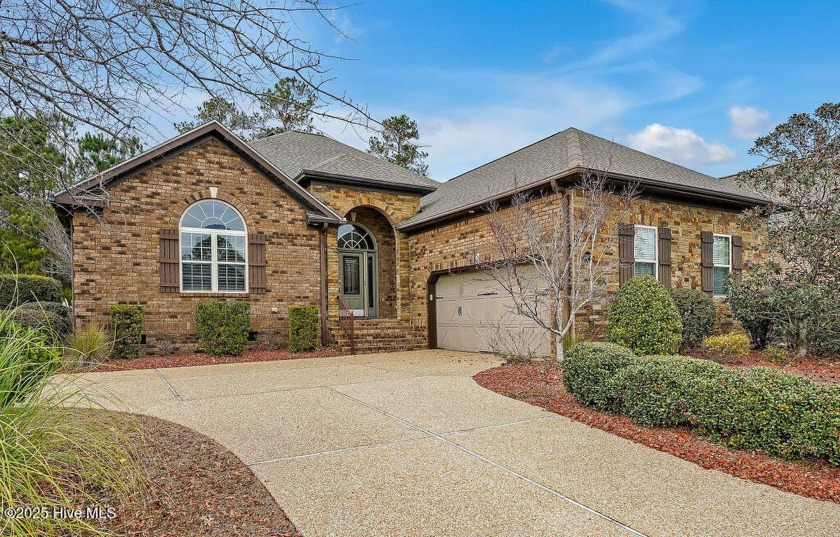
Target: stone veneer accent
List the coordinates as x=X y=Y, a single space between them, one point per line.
x=456 y=244
x=116 y=257
x=396 y=208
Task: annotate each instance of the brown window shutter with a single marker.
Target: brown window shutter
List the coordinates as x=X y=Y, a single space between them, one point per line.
x=707 y=266
x=626 y=252
x=256 y=263
x=665 y=256
x=170 y=262
x=737 y=257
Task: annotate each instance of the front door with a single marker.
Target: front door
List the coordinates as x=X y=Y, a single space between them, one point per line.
x=357 y=281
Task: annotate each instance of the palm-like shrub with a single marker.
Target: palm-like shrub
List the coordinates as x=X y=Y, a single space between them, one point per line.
x=87 y=347
x=51 y=455
x=644 y=318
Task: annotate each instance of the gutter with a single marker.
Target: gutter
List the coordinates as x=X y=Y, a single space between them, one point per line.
x=310 y=175
x=660 y=186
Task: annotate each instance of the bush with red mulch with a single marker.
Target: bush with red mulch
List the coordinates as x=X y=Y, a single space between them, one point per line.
x=541 y=384
x=200 y=358
x=825 y=369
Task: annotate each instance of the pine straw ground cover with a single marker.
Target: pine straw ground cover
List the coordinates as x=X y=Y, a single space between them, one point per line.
x=540 y=384
x=193 y=486
x=161 y=361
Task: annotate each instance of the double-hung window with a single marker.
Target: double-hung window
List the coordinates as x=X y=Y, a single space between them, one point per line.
x=214 y=249
x=722 y=259
x=645 y=251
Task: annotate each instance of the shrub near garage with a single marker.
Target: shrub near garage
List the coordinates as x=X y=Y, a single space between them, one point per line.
x=588 y=369
x=222 y=327
x=659 y=390
x=303 y=328
x=698 y=315
x=644 y=318
x=747 y=408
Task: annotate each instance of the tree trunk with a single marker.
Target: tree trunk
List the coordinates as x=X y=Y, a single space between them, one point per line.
x=560 y=348
x=803 y=340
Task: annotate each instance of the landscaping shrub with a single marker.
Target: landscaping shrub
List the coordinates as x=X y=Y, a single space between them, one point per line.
x=87 y=347
x=50 y=318
x=658 y=390
x=25 y=359
x=770 y=410
x=22 y=288
x=588 y=369
x=303 y=328
x=698 y=315
x=223 y=327
x=778 y=354
x=748 y=408
x=752 y=306
x=126 y=321
x=52 y=456
x=644 y=318
x=727 y=346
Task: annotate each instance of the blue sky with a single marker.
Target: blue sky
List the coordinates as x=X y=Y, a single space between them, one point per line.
x=692 y=82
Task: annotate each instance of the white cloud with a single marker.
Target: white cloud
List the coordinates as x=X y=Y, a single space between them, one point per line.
x=683 y=146
x=748 y=122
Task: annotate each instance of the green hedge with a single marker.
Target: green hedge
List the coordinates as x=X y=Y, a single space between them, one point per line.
x=50 y=318
x=749 y=408
x=126 y=321
x=644 y=318
x=303 y=328
x=22 y=288
x=588 y=368
x=222 y=327
x=698 y=314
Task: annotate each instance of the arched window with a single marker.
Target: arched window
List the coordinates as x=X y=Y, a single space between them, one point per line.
x=214 y=249
x=353 y=237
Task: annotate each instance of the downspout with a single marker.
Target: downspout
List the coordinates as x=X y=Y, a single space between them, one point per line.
x=322 y=269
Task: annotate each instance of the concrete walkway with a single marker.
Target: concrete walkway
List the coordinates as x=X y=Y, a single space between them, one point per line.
x=408 y=444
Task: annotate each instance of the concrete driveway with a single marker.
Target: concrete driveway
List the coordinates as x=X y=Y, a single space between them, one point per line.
x=408 y=444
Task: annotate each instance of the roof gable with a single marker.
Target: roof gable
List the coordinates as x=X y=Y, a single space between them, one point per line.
x=564 y=154
x=301 y=154
x=86 y=192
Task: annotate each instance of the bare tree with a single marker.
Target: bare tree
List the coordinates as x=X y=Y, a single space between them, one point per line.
x=111 y=66
x=549 y=252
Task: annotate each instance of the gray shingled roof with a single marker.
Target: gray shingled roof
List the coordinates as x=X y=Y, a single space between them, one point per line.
x=561 y=152
x=296 y=152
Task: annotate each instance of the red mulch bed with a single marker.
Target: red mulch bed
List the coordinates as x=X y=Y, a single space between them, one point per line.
x=819 y=369
x=198 y=358
x=540 y=384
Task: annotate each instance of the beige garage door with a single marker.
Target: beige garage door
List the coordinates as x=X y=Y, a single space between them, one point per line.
x=474 y=313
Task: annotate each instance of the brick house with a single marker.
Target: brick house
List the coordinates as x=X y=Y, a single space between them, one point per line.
x=301 y=219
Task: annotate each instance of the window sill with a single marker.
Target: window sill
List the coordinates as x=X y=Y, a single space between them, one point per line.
x=208 y=294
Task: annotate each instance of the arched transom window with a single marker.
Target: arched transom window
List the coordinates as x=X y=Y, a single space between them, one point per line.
x=353 y=237
x=214 y=249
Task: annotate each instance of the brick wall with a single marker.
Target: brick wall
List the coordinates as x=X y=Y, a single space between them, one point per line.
x=455 y=245
x=116 y=258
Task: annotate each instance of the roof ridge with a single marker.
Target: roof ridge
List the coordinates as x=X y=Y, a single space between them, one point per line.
x=647 y=155
x=574 y=151
x=508 y=154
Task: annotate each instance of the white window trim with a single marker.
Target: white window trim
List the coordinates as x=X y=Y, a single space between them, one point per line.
x=214 y=260
x=655 y=260
x=716 y=265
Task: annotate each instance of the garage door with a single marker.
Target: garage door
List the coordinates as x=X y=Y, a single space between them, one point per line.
x=474 y=313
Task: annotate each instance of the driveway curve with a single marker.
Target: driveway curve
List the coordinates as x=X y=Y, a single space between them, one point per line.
x=408 y=444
